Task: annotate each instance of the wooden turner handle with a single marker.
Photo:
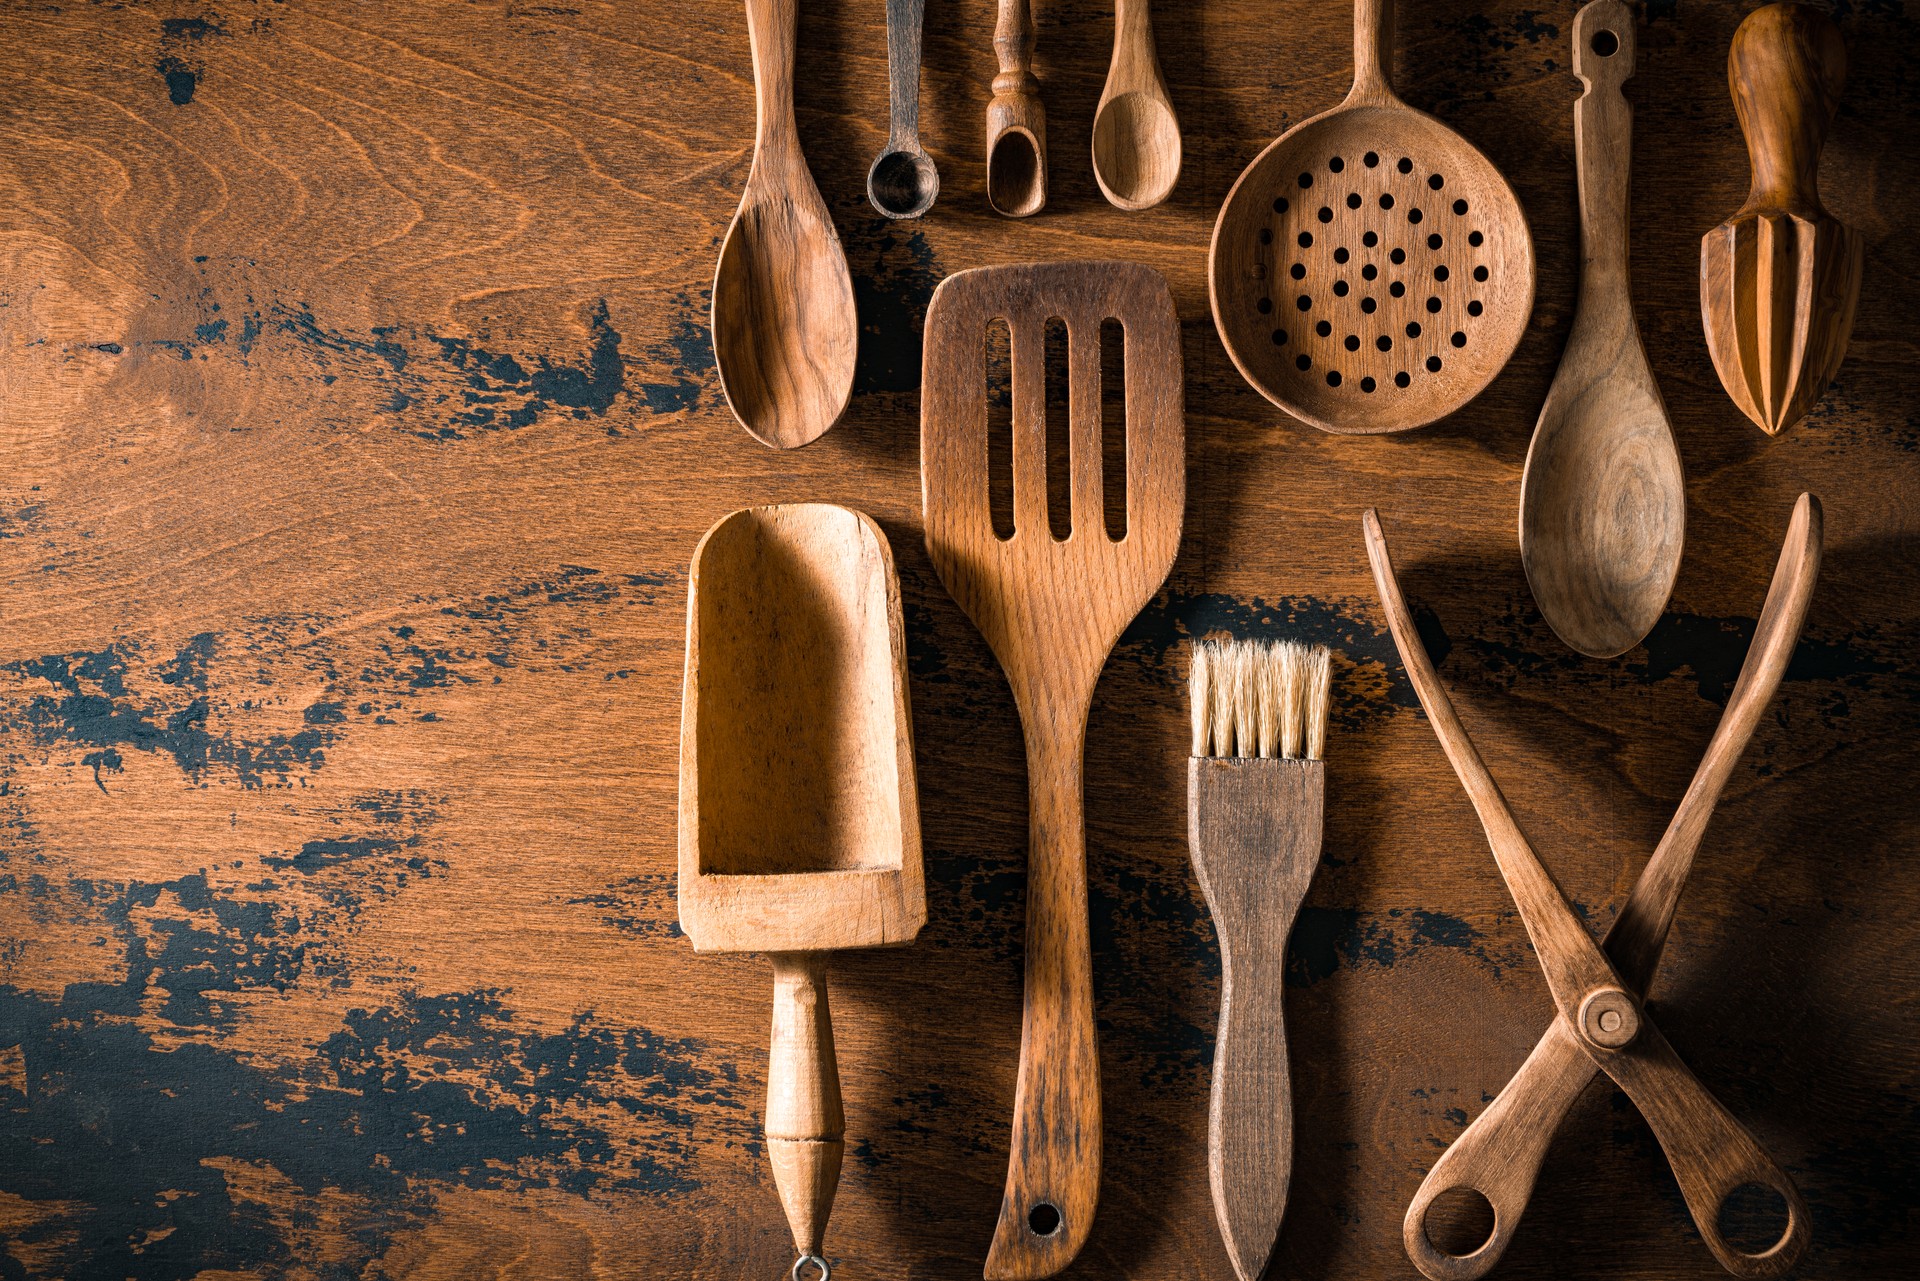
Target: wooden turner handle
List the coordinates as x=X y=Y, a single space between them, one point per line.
x=1786 y=68
x=1053 y=1170
x=805 y=1125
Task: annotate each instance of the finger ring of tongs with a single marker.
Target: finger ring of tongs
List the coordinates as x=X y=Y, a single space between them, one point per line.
x=1598 y=988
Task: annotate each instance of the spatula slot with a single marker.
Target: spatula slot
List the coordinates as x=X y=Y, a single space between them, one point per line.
x=999 y=365
x=1059 y=450
x=1113 y=427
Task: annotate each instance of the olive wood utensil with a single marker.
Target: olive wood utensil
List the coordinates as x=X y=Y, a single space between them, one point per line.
x=799 y=819
x=784 y=327
x=1598 y=989
x=1136 y=137
x=1051 y=609
x=1779 y=281
x=1370 y=271
x=903 y=182
x=1016 y=119
x=1603 y=504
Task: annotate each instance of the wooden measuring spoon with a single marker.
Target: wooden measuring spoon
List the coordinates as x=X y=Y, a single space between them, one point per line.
x=903 y=182
x=1136 y=138
x=1052 y=608
x=784 y=328
x=799 y=820
x=1603 y=504
x=1016 y=119
x=1371 y=271
x=1779 y=281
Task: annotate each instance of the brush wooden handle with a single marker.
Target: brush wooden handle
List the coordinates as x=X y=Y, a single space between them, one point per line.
x=1053 y=1169
x=805 y=1125
x=1253 y=829
x=1786 y=68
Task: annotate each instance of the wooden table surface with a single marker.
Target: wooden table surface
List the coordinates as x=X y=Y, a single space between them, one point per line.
x=358 y=419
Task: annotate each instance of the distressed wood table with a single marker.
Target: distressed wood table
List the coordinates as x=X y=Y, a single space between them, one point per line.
x=357 y=422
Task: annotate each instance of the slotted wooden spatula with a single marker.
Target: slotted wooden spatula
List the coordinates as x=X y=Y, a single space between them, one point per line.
x=1052 y=609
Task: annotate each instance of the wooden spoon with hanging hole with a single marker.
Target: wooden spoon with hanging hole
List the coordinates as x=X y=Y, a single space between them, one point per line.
x=1603 y=505
x=1371 y=271
x=784 y=327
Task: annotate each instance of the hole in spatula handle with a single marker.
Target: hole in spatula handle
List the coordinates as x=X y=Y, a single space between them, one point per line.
x=1753 y=1219
x=1044 y=1219
x=1460 y=1221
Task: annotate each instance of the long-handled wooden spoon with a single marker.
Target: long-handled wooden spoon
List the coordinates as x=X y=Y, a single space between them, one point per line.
x=784 y=327
x=1136 y=138
x=1016 y=119
x=1603 y=506
x=799 y=820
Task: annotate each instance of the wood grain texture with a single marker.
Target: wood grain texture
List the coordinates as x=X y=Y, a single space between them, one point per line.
x=1016 y=119
x=1780 y=280
x=1051 y=604
x=1603 y=504
x=904 y=181
x=1371 y=271
x=353 y=950
x=785 y=331
x=1136 y=136
x=1254 y=828
x=1712 y=1155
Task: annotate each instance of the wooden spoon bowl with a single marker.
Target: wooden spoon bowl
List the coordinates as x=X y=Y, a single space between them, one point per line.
x=1371 y=270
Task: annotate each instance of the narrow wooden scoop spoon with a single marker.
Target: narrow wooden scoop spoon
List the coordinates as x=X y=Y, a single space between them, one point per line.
x=1016 y=119
x=784 y=327
x=1603 y=505
x=1136 y=138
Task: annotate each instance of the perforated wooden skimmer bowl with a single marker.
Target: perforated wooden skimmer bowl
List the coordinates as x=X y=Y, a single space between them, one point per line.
x=1371 y=271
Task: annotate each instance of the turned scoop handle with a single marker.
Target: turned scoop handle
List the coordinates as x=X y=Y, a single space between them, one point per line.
x=1786 y=69
x=1053 y=1169
x=805 y=1125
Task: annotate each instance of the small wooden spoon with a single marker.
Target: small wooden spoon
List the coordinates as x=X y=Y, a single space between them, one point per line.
x=784 y=327
x=1603 y=504
x=1136 y=138
x=1016 y=119
x=903 y=181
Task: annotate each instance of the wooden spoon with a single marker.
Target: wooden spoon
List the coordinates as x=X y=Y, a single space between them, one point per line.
x=1371 y=270
x=784 y=328
x=1016 y=119
x=1136 y=139
x=903 y=181
x=1603 y=505
x=799 y=820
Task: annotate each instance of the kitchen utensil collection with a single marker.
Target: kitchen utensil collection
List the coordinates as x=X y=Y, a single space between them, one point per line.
x=903 y=181
x=1598 y=989
x=1779 y=280
x=799 y=819
x=1370 y=271
x=1051 y=608
x=1136 y=138
x=1256 y=789
x=1603 y=503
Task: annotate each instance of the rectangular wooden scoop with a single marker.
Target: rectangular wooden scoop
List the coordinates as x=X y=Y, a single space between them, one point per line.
x=799 y=818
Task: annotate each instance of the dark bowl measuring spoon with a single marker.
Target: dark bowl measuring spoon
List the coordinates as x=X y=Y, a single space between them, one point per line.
x=903 y=182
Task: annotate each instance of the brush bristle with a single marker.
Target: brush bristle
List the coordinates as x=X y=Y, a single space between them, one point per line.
x=1260 y=699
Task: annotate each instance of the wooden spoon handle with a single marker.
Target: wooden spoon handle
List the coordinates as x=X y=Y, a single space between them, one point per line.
x=805 y=1126
x=1786 y=68
x=904 y=21
x=771 y=27
x=1603 y=58
x=1372 y=53
x=1053 y=1170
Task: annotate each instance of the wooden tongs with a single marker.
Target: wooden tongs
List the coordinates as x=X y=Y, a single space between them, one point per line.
x=1598 y=987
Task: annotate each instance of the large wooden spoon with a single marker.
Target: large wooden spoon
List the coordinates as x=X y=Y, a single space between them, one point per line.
x=1603 y=506
x=1136 y=138
x=784 y=327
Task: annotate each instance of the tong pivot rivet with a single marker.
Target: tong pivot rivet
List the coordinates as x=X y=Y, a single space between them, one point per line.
x=1609 y=1018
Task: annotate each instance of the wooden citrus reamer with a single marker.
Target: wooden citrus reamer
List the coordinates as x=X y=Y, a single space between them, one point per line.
x=799 y=819
x=1051 y=608
x=1779 y=281
x=1598 y=989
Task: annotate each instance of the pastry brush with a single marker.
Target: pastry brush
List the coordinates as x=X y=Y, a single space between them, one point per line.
x=1255 y=790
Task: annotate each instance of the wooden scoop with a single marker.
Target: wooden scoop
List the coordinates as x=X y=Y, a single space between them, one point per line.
x=1016 y=119
x=799 y=820
x=1136 y=138
x=1052 y=609
x=1780 y=279
x=1603 y=506
x=784 y=327
x=1371 y=271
